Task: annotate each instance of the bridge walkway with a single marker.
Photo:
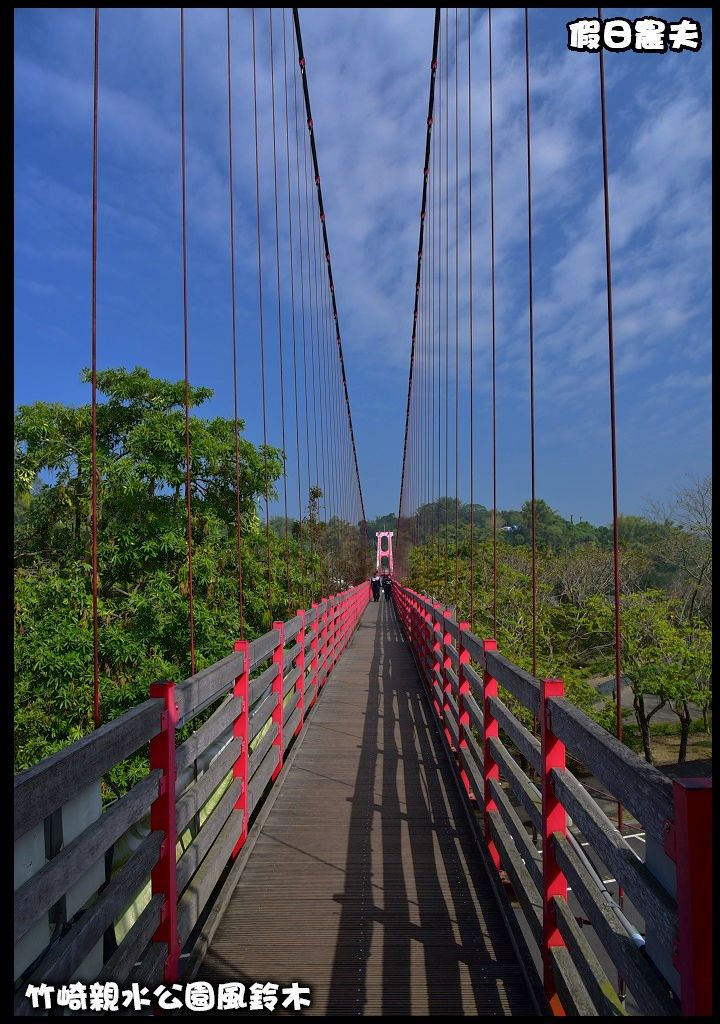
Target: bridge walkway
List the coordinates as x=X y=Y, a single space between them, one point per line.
x=365 y=882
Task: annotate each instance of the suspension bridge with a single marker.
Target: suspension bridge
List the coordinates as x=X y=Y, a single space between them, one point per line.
x=348 y=800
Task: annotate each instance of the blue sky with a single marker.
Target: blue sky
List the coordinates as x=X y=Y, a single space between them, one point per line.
x=368 y=77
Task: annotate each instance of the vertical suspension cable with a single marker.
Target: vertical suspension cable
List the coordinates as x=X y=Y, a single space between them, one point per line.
x=470 y=278
x=262 y=330
x=301 y=596
x=279 y=310
x=447 y=285
x=492 y=306
x=305 y=372
x=302 y=546
x=187 y=365
x=457 y=292
x=234 y=342
x=532 y=356
x=613 y=441
x=93 y=378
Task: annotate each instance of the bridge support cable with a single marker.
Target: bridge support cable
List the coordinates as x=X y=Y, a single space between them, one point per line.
x=613 y=430
x=470 y=332
x=238 y=531
x=188 y=483
x=261 y=327
x=281 y=353
x=321 y=208
x=492 y=325
x=93 y=381
x=418 y=281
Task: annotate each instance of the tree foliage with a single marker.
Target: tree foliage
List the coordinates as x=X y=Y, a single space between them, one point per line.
x=142 y=552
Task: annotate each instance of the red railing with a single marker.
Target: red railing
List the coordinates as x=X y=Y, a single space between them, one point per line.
x=260 y=697
x=666 y=969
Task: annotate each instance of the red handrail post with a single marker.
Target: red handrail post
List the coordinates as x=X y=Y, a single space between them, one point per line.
x=324 y=639
x=554 y=820
x=437 y=655
x=163 y=819
x=334 y=630
x=490 y=766
x=314 y=650
x=447 y=685
x=241 y=729
x=463 y=714
x=278 y=687
x=692 y=957
x=299 y=664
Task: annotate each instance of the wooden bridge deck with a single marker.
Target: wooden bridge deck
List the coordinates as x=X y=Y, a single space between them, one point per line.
x=365 y=882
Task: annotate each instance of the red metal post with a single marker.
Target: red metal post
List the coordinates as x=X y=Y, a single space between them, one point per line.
x=447 y=685
x=693 y=864
x=277 y=686
x=463 y=715
x=554 y=820
x=324 y=640
x=314 y=651
x=334 y=631
x=490 y=767
x=437 y=656
x=163 y=819
x=299 y=663
x=241 y=729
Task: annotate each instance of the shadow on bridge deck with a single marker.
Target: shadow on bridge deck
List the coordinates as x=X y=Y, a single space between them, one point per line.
x=365 y=882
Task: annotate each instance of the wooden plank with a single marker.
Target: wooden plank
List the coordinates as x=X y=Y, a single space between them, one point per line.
x=641 y=977
x=193 y=900
x=263 y=647
x=519 y=682
x=197 y=795
x=596 y=982
x=518 y=874
x=292 y=628
x=640 y=787
x=150 y=970
x=262 y=712
x=201 y=690
x=476 y=750
x=290 y=656
x=453 y=679
x=655 y=905
x=523 y=739
x=258 y=686
x=40 y=790
x=209 y=731
x=476 y=683
x=449 y=649
x=474 y=646
x=476 y=715
x=198 y=848
x=515 y=827
x=574 y=997
x=262 y=748
x=289 y=709
x=57 y=967
x=259 y=781
x=474 y=773
x=289 y=728
x=128 y=952
x=521 y=785
x=53 y=880
x=290 y=680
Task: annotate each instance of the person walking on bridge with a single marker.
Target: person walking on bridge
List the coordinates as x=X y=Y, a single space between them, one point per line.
x=375 y=583
x=387 y=587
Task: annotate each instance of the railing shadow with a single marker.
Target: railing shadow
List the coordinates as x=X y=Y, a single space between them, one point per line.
x=434 y=906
